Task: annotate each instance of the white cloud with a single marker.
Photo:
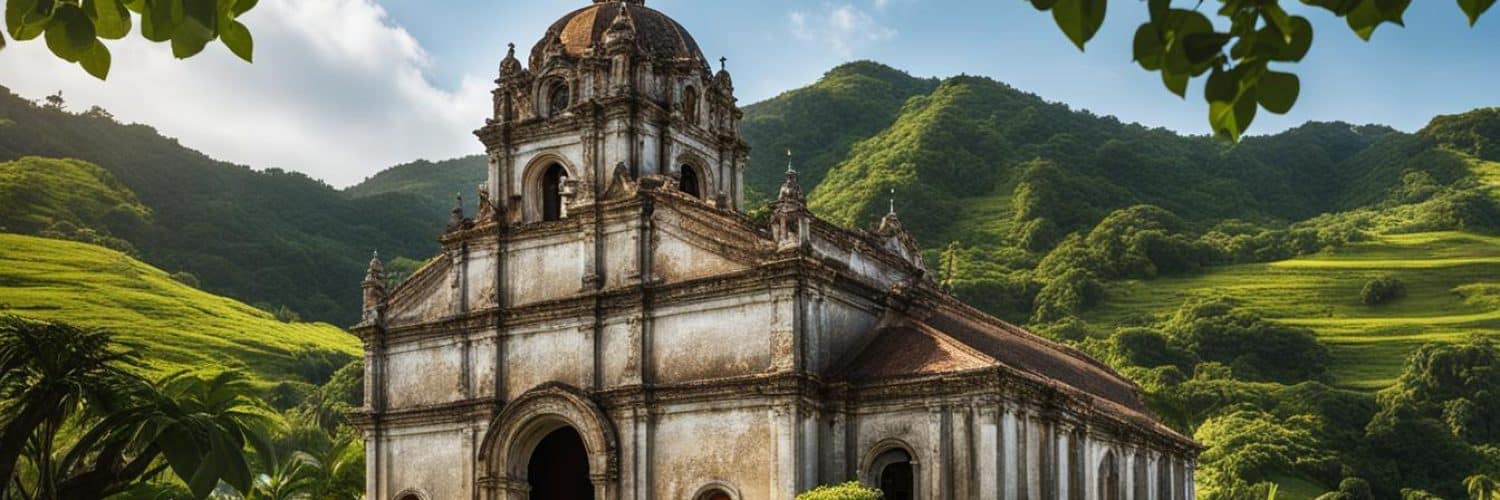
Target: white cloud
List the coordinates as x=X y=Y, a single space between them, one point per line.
x=337 y=90
x=843 y=28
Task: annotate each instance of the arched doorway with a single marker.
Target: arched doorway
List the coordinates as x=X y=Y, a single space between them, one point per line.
x=894 y=475
x=1109 y=478
x=559 y=467
x=552 y=192
x=715 y=494
x=689 y=182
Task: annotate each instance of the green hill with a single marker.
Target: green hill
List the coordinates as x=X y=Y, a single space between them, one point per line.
x=42 y=193
x=434 y=182
x=175 y=326
x=267 y=236
x=1452 y=284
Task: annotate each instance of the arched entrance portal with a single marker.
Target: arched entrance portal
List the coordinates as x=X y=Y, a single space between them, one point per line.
x=895 y=475
x=551 y=443
x=559 y=467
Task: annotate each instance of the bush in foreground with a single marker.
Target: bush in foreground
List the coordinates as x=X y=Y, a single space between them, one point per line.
x=848 y=491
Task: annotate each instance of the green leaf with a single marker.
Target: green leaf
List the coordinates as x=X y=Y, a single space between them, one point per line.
x=1079 y=19
x=1230 y=119
x=1393 y=11
x=243 y=6
x=1339 y=8
x=1159 y=10
x=1300 y=41
x=1475 y=8
x=96 y=60
x=1043 y=4
x=1277 y=17
x=111 y=19
x=1364 y=19
x=1175 y=82
x=1203 y=47
x=2 y=42
x=1278 y=91
x=28 y=19
x=238 y=39
x=201 y=16
x=157 y=22
x=188 y=43
x=1223 y=86
x=70 y=33
x=1148 y=47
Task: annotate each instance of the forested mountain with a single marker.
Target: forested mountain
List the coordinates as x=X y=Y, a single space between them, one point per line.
x=273 y=237
x=437 y=183
x=1259 y=292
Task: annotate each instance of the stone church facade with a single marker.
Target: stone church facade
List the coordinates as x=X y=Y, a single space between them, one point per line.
x=609 y=323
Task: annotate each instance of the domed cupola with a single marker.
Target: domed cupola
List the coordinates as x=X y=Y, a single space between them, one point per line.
x=658 y=36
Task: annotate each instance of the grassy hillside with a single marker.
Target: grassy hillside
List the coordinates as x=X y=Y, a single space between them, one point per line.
x=175 y=326
x=269 y=236
x=1452 y=281
x=41 y=193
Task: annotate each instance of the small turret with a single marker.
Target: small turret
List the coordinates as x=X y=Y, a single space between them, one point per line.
x=456 y=219
x=897 y=239
x=789 y=217
x=374 y=289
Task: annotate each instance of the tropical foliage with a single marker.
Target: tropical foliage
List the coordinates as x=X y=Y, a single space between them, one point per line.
x=75 y=30
x=1183 y=44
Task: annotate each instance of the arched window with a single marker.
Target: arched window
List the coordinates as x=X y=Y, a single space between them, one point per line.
x=689 y=182
x=690 y=104
x=552 y=192
x=894 y=474
x=715 y=494
x=1109 y=478
x=408 y=495
x=558 y=99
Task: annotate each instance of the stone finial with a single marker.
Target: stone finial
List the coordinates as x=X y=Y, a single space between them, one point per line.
x=456 y=217
x=375 y=274
x=621 y=32
x=791 y=190
x=374 y=289
x=510 y=66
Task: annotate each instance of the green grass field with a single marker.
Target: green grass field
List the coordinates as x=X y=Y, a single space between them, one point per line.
x=175 y=326
x=1453 y=290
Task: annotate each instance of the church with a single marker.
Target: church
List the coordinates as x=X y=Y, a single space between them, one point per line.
x=610 y=324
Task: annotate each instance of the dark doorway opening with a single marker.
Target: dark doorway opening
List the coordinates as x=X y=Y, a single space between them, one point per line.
x=559 y=468
x=689 y=182
x=715 y=495
x=552 y=187
x=896 y=480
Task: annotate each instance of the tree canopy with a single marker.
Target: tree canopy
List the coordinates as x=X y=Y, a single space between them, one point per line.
x=75 y=30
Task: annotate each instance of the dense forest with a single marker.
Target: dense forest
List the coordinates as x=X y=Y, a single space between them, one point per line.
x=1278 y=298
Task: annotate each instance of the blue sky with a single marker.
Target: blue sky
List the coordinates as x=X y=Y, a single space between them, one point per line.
x=344 y=88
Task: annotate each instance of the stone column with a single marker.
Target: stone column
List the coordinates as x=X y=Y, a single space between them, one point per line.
x=987 y=452
x=1011 y=453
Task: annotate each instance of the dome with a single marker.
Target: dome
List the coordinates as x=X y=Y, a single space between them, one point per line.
x=658 y=35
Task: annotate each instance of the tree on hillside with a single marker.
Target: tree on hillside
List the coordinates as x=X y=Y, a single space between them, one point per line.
x=1482 y=487
x=75 y=29
x=1184 y=44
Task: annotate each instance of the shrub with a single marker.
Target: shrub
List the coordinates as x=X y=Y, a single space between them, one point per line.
x=1382 y=290
x=186 y=278
x=848 y=491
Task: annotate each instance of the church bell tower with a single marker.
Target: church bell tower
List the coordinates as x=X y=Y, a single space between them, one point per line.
x=614 y=91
